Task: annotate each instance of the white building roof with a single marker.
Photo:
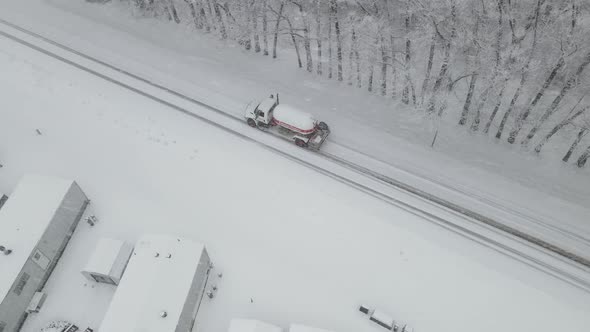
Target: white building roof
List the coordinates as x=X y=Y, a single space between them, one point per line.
x=152 y=285
x=303 y=328
x=109 y=258
x=23 y=220
x=251 y=325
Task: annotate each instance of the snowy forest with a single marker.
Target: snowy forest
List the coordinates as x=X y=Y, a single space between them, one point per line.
x=515 y=71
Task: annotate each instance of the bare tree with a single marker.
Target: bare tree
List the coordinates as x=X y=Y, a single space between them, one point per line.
x=584 y=157
x=571 y=82
x=553 y=73
x=474 y=73
x=334 y=11
x=318 y=18
x=525 y=70
x=222 y=28
x=384 y=62
x=294 y=40
x=406 y=90
x=577 y=141
x=428 y=68
x=279 y=14
x=558 y=127
x=254 y=13
x=446 y=59
x=265 y=26
x=306 y=37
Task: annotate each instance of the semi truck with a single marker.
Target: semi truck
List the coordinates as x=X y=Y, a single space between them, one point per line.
x=287 y=122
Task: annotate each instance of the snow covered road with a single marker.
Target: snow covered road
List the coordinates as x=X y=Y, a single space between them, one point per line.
x=311 y=255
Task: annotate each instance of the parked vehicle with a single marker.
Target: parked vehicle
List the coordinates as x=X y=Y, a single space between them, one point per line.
x=287 y=122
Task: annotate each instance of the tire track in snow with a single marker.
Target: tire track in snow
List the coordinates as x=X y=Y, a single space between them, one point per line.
x=548 y=248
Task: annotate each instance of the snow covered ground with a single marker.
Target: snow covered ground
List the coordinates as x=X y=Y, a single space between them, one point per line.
x=536 y=195
x=294 y=245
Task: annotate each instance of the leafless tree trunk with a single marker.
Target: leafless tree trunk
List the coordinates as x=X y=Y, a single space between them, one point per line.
x=222 y=28
x=319 y=34
x=254 y=14
x=249 y=18
x=194 y=14
x=203 y=16
x=446 y=61
x=306 y=36
x=406 y=90
x=428 y=68
x=351 y=55
x=265 y=26
x=497 y=106
x=571 y=82
x=294 y=40
x=334 y=10
x=497 y=49
x=173 y=11
x=307 y=43
x=384 y=61
x=524 y=75
x=210 y=14
x=474 y=74
x=358 y=64
x=522 y=118
x=560 y=63
x=277 y=26
x=583 y=158
x=330 y=56
x=558 y=127
x=579 y=138
x=371 y=73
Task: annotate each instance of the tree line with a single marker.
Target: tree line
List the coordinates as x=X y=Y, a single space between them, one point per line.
x=516 y=71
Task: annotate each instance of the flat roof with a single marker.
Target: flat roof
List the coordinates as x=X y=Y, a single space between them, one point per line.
x=153 y=283
x=105 y=255
x=23 y=220
x=303 y=328
x=252 y=325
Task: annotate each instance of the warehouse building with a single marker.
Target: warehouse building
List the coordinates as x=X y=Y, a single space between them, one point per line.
x=36 y=223
x=162 y=287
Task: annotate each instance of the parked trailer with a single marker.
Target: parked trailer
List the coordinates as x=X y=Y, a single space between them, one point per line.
x=287 y=122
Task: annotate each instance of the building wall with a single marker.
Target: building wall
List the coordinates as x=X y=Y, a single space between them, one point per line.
x=3 y=199
x=37 y=269
x=195 y=295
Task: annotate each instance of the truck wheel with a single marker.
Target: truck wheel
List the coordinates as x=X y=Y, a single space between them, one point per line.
x=300 y=143
x=251 y=123
x=323 y=126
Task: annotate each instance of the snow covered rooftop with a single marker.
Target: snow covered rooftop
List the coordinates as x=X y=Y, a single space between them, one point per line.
x=23 y=220
x=294 y=117
x=157 y=279
x=303 y=328
x=109 y=259
x=251 y=325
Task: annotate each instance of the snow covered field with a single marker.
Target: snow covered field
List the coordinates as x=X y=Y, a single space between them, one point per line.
x=294 y=245
x=536 y=195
